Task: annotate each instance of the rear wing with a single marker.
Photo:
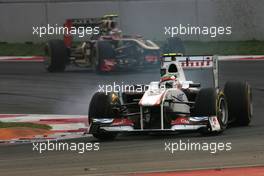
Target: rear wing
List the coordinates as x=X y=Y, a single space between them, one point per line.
x=196 y=65
x=201 y=63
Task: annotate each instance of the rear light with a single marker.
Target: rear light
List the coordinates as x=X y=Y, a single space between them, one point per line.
x=122 y=122
x=151 y=58
x=110 y=62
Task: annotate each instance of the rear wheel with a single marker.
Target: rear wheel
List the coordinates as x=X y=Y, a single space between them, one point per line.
x=56 y=56
x=101 y=106
x=105 y=51
x=239 y=98
x=209 y=103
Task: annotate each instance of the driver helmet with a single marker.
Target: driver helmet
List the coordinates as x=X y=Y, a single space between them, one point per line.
x=116 y=34
x=170 y=80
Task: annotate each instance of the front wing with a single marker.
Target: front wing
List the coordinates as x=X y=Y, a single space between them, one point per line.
x=210 y=123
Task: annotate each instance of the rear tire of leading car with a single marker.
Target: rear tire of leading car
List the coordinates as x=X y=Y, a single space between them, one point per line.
x=101 y=107
x=209 y=103
x=105 y=51
x=239 y=98
x=57 y=56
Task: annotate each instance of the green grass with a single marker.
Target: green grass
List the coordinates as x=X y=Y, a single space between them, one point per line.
x=23 y=124
x=253 y=47
x=21 y=49
x=225 y=48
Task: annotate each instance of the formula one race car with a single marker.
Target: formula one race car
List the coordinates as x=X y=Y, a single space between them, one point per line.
x=104 y=51
x=187 y=98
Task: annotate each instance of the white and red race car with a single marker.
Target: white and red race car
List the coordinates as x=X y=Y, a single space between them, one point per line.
x=187 y=98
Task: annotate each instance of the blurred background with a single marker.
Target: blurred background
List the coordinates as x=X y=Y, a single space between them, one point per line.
x=145 y=17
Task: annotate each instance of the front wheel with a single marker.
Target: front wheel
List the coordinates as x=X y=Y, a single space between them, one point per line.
x=210 y=103
x=101 y=107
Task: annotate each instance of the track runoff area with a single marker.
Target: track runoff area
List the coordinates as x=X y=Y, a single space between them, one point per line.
x=241 y=171
x=74 y=126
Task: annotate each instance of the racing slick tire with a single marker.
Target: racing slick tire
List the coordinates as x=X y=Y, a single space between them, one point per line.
x=239 y=98
x=57 y=56
x=105 y=51
x=101 y=106
x=209 y=103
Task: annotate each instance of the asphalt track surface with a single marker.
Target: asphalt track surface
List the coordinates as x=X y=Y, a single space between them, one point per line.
x=27 y=88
